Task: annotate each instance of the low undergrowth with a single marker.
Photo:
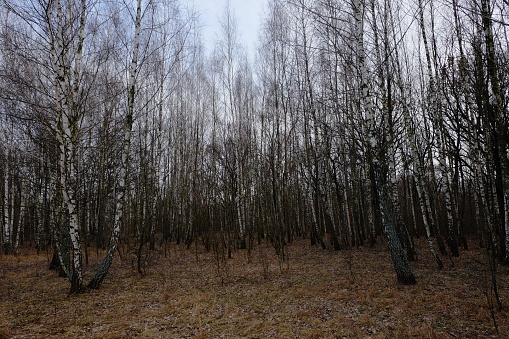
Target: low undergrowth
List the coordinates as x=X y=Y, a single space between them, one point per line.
x=313 y=294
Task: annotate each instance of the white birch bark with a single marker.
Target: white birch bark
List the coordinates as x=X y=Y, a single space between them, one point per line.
x=364 y=106
x=439 y=129
x=7 y=211
x=18 y=230
x=499 y=117
x=418 y=165
x=101 y=272
x=400 y=262
x=68 y=115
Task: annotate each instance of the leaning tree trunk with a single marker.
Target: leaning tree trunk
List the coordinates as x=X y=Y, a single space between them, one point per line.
x=103 y=269
x=378 y=161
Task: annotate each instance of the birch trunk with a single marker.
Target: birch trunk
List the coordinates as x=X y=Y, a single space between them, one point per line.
x=437 y=121
x=378 y=163
x=102 y=271
x=367 y=119
x=500 y=121
x=67 y=85
x=7 y=210
x=418 y=170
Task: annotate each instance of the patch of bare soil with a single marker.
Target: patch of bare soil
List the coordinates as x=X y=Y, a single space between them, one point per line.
x=313 y=294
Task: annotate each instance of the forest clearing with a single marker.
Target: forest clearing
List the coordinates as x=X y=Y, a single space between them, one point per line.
x=125 y=131
x=314 y=293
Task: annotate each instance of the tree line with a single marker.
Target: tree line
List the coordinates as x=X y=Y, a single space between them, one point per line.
x=358 y=119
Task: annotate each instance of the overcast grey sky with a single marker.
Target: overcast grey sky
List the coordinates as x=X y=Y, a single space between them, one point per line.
x=247 y=12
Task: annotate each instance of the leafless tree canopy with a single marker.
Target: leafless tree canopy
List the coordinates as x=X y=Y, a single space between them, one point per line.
x=357 y=121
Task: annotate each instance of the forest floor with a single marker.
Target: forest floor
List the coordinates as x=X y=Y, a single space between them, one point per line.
x=314 y=293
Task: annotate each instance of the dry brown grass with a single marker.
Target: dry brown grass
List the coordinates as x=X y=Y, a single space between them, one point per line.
x=316 y=294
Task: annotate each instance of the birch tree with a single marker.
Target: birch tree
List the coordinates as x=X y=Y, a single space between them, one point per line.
x=6 y=153
x=497 y=117
x=102 y=270
x=378 y=161
x=56 y=29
